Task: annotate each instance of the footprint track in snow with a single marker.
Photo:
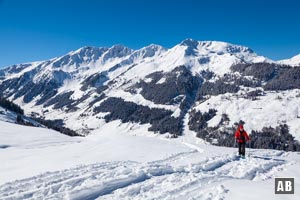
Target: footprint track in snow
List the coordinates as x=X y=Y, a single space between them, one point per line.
x=113 y=179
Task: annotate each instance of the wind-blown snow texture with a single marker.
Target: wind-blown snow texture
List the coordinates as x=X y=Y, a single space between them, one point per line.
x=43 y=164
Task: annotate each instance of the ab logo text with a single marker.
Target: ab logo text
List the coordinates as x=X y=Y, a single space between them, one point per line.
x=284 y=185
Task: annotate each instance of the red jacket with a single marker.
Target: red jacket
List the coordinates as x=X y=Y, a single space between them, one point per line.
x=241 y=135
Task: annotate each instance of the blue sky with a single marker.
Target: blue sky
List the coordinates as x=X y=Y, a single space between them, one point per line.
x=33 y=30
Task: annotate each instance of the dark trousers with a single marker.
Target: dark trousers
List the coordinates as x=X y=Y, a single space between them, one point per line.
x=242 y=146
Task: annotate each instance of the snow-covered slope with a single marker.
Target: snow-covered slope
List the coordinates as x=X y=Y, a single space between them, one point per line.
x=30 y=151
x=294 y=61
x=270 y=110
x=110 y=164
x=153 y=86
x=71 y=86
x=7 y=116
x=11 y=117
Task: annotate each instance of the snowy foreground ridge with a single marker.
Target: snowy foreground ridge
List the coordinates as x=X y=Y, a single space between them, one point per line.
x=38 y=163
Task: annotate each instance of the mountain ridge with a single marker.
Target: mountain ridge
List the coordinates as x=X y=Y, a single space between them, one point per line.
x=152 y=86
x=94 y=48
x=294 y=61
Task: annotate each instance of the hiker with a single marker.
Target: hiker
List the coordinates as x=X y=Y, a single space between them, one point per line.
x=241 y=137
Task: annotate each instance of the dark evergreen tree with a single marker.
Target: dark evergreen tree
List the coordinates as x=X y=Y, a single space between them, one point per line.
x=9 y=105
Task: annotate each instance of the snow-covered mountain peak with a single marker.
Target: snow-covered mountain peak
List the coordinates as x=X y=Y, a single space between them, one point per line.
x=189 y=43
x=153 y=47
x=294 y=61
x=148 y=51
x=238 y=49
x=193 y=48
x=215 y=56
x=296 y=57
x=88 y=50
x=218 y=46
x=117 y=51
x=76 y=58
x=89 y=55
x=80 y=81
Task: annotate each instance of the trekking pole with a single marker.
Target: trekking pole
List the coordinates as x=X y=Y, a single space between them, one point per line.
x=249 y=149
x=235 y=145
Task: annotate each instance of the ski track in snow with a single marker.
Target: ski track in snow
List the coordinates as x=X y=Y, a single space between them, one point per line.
x=191 y=169
x=161 y=179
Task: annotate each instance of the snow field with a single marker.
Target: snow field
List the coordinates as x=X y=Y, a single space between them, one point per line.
x=152 y=180
x=111 y=164
x=272 y=110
